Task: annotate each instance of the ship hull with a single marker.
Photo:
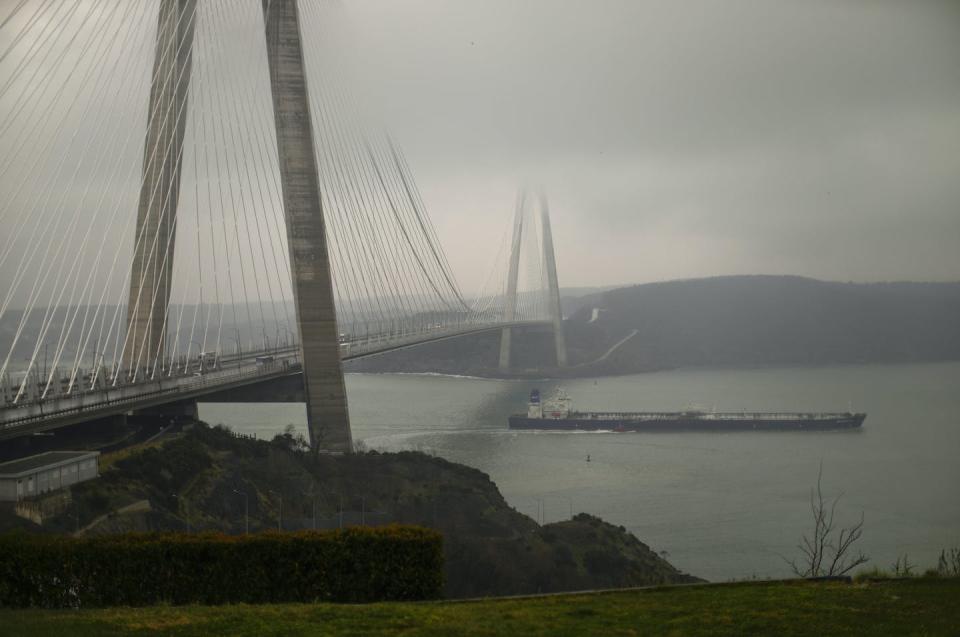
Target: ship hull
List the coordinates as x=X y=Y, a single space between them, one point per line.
x=682 y=422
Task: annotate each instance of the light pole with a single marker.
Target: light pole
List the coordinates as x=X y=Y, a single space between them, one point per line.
x=246 y=511
x=239 y=346
x=200 y=350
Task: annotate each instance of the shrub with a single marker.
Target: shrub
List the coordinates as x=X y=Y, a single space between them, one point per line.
x=138 y=569
x=170 y=468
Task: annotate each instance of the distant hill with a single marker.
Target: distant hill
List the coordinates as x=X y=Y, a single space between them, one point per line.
x=725 y=321
x=572 y=299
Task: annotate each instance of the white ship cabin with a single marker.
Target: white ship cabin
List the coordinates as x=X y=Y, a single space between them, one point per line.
x=36 y=475
x=557 y=407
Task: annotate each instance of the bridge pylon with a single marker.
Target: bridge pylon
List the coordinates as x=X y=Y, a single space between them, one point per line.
x=328 y=417
x=553 y=289
x=510 y=306
x=151 y=275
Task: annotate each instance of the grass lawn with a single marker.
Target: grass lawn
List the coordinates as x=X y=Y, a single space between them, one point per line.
x=896 y=607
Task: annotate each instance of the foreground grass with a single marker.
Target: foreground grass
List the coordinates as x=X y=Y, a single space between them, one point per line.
x=897 y=607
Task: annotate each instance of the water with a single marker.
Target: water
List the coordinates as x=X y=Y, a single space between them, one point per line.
x=722 y=506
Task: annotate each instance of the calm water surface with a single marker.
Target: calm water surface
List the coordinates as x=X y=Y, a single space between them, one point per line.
x=722 y=506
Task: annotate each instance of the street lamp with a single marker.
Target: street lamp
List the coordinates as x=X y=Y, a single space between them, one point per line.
x=45 y=346
x=246 y=511
x=239 y=346
x=200 y=350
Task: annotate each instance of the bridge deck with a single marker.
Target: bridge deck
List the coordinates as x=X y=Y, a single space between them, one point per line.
x=232 y=372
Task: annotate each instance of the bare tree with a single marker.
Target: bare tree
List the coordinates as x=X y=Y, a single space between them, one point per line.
x=949 y=563
x=828 y=551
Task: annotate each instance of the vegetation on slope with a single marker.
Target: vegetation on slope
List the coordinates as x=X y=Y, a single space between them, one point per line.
x=209 y=479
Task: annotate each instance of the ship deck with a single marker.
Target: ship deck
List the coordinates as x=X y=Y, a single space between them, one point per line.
x=723 y=416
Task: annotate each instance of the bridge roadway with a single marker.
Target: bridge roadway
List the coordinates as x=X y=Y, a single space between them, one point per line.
x=233 y=372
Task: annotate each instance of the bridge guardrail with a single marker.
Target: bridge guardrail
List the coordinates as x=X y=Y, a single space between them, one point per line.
x=246 y=368
x=203 y=381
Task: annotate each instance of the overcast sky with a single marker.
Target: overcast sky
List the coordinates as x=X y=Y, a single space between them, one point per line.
x=674 y=139
x=682 y=139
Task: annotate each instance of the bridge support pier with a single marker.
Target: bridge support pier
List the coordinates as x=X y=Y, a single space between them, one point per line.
x=328 y=418
x=151 y=274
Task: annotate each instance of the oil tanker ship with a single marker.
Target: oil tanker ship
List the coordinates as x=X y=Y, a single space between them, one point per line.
x=556 y=413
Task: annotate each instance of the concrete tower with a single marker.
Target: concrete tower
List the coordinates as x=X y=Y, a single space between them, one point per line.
x=152 y=269
x=510 y=308
x=549 y=259
x=327 y=415
x=550 y=265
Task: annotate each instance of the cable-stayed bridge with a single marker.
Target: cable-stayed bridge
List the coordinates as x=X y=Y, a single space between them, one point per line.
x=193 y=208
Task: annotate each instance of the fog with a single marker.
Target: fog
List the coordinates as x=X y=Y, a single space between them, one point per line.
x=674 y=139
x=684 y=139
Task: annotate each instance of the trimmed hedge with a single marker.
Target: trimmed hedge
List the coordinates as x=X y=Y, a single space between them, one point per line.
x=139 y=569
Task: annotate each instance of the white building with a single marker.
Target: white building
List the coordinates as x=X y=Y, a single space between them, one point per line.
x=45 y=472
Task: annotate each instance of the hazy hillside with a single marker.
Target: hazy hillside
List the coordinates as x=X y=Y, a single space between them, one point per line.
x=728 y=321
x=720 y=321
x=761 y=320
